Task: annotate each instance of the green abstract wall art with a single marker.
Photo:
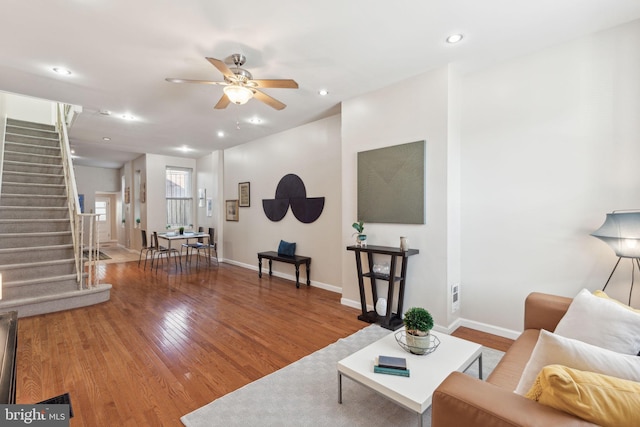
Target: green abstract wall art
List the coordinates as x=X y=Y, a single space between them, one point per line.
x=391 y=186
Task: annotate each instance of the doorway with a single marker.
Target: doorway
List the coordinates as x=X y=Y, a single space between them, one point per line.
x=103 y=218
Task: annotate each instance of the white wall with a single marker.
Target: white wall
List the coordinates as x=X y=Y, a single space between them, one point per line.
x=90 y=180
x=550 y=144
x=155 y=215
x=209 y=178
x=21 y=107
x=413 y=110
x=312 y=152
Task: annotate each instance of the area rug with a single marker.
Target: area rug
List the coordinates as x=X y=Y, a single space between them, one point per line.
x=101 y=255
x=305 y=393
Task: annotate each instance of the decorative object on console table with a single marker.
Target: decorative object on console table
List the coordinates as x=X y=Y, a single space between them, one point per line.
x=404 y=243
x=621 y=231
x=390 y=320
x=361 y=239
x=418 y=322
x=244 y=194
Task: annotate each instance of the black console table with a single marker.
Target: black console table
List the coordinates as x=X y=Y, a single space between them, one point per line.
x=391 y=320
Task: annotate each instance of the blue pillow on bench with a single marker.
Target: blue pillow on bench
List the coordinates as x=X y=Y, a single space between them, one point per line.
x=286 y=248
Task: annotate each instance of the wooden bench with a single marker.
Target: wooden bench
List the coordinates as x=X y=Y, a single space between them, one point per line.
x=296 y=260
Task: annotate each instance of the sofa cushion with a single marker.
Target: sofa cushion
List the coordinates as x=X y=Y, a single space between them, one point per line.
x=602 y=294
x=601 y=322
x=600 y=399
x=554 y=349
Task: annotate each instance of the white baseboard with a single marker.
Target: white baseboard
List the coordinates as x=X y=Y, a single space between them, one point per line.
x=303 y=281
x=479 y=326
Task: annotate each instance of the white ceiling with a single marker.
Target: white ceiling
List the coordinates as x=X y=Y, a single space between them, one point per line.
x=121 y=51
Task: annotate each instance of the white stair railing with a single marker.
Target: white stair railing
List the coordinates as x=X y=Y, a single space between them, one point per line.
x=79 y=229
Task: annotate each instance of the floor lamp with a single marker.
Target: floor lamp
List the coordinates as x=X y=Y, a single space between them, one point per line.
x=621 y=231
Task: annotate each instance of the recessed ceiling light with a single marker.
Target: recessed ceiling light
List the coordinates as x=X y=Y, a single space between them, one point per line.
x=220 y=134
x=128 y=117
x=454 y=38
x=73 y=151
x=61 y=71
x=323 y=92
x=184 y=149
x=105 y=112
x=255 y=121
x=106 y=138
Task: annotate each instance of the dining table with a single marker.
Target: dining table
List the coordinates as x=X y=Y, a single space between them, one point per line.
x=172 y=236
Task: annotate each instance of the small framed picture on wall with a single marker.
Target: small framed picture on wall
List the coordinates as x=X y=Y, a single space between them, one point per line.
x=232 y=210
x=244 y=194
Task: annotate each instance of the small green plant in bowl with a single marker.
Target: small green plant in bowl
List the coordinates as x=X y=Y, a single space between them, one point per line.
x=361 y=239
x=418 y=322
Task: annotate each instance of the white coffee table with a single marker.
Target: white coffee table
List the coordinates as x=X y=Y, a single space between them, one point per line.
x=427 y=372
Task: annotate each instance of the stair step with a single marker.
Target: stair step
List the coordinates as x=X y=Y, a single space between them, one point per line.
x=39 y=133
x=14 y=166
x=31 y=148
x=25 y=188
x=39 y=286
x=33 y=177
x=34 y=225
x=33 y=212
x=40 y=304
x=14 y=273
x=23 y=240
x=40 y=253
x=43 y=200
x=39 y=159
x=33 y=140
x=29 y=125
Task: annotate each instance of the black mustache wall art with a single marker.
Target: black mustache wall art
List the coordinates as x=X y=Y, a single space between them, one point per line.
x=291 y=192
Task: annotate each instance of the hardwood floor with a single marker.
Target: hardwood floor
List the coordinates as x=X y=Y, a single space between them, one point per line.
x=168 y=343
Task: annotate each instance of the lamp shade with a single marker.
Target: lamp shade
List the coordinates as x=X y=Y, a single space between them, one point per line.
x=238 y=94
x=621 y=231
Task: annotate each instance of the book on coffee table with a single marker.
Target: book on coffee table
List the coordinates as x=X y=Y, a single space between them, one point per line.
x=392 y=362
x=390 y=371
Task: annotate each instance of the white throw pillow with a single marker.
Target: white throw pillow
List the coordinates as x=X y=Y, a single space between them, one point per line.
x=553 y=349
x=601 y=322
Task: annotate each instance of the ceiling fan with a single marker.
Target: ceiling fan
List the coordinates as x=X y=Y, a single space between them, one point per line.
x=240 y=86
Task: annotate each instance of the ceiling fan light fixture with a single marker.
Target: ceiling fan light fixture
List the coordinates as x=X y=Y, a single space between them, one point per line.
x=238 y=94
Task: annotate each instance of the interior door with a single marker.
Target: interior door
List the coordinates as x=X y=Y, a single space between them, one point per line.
x=103 y=218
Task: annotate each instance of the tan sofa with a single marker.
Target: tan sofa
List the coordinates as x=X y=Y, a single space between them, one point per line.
x=462 y=400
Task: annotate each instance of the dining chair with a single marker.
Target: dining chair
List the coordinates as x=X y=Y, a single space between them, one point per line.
x=146 y=248
x=163 y=250
x=209 y=248
x=192 y=246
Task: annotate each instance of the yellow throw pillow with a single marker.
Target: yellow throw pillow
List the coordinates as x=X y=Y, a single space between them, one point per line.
x=597 y=398
x=601 y=294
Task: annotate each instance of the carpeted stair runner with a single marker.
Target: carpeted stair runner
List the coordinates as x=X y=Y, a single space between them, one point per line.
x=36 y=244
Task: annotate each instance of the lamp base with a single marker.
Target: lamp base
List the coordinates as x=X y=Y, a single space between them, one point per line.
x=633 y=269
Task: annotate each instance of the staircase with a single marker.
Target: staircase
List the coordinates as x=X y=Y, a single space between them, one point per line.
x=37 y=259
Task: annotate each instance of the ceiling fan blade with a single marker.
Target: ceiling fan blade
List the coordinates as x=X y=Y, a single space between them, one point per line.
x=276 y=83
x=221 y=66
x=271 y=102
x=203 y=82
x=223 y=102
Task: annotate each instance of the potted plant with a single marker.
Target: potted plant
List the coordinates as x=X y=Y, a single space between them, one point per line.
x=181 y=230
x=361 y=239
x=138 y=222
x=418 y=322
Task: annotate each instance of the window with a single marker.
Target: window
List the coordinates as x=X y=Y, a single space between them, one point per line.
x=179 y=198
